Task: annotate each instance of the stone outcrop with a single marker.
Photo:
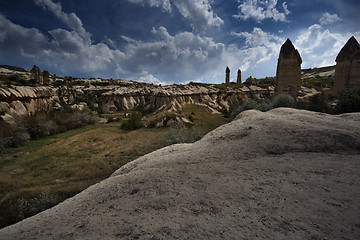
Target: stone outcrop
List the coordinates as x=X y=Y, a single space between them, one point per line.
x=238 y=81
x=288 y=72
x=347 y=70
x=19 y=101
x=40 y=77
x=46 y=77
x=281 y=174
x=172 y=98
x=227 y=77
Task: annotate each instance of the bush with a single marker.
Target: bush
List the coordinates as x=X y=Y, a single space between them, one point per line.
x=32 y=206
x=264 y=106
x=318 y=103
x=133 y=123
x=249 y=104
x=13 y=135
x=283 y=100
x=39 y=125
x=74 y=119
x=349 y=101
x=180 y=133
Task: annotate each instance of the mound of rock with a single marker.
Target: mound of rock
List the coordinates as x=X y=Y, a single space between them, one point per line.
x=283 y=174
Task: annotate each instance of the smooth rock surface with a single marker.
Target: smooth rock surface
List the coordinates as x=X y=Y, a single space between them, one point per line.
x=283 y=174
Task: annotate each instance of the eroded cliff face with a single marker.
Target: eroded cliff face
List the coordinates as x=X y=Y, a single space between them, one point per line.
x=172 y=98
x=19 y=101
x=26 y=100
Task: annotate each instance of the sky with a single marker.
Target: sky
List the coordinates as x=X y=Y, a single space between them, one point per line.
x=172 y=41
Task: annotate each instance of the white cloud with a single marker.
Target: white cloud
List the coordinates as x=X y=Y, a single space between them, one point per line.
x=70 y=19
x=164 y=4
x=199 y=12
x=260 y=47
x=319 y=47
x=261 y=10
x=174 y=58
x=328 y=18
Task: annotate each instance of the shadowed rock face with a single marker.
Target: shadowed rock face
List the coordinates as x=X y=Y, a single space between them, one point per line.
x=227 y=77
x=347 y=71
x=238 y=82
x=283 y=174
x=288 y=73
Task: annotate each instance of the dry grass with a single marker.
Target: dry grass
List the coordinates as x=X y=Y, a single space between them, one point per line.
x=67 y=163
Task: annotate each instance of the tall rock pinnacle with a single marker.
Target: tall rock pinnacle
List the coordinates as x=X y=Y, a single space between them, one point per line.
x=347 y=70
x=288 y=73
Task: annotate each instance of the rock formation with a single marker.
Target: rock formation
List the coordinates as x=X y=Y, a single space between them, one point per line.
x=46 y=77
x=37 y=74
x=288 y=72
x=238 y=82
x=281 y=174
x=40 y=77
x=25 y=101
x=227 y=77
x=347 y=70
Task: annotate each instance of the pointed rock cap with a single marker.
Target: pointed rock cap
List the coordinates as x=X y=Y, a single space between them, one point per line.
x=227 y=69
x=351 y=48
x=35 y=69
x=288 y=51
x=239 y=71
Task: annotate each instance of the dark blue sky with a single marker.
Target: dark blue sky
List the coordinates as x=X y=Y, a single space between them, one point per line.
x=171 y=41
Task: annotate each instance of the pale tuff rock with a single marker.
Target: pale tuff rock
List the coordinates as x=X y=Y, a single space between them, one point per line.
x=269 y=175
x=347 y=70
x=288 y=72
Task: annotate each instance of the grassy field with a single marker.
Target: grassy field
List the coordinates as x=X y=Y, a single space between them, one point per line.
x=46 y=171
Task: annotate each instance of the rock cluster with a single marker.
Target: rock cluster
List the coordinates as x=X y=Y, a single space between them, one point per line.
x=288 y=72
x=19 y=101
x=40 y=77
x=347 y=71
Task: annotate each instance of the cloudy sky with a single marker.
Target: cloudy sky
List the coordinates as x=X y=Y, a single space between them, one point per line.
x=172 y=41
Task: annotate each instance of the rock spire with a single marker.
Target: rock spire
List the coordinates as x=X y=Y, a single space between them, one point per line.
x=238 y=82
x=288 y=73
x=227 y=77
x=347 y=70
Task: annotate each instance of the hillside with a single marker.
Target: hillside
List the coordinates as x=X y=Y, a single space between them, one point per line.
x=277 y=175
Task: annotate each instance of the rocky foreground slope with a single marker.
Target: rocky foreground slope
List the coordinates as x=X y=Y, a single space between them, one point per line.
x=283 y=174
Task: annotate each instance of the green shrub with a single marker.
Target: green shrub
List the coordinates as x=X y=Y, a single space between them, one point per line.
x=180 y=133
x=249 y=104
x=133 y=123
x=318 y=103
x=32 y=206
x=349 y=101
x=13 y=135
x=74 y=118
x=283 y=100
x=39 y=125
x=263 y=106
x=191 y=118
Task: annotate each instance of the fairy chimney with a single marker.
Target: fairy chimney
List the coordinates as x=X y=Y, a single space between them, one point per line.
x=288 y=72
x=347 y=70
x=227 y=78
x=238 y=82
x=46 y=77
x=37 y=74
